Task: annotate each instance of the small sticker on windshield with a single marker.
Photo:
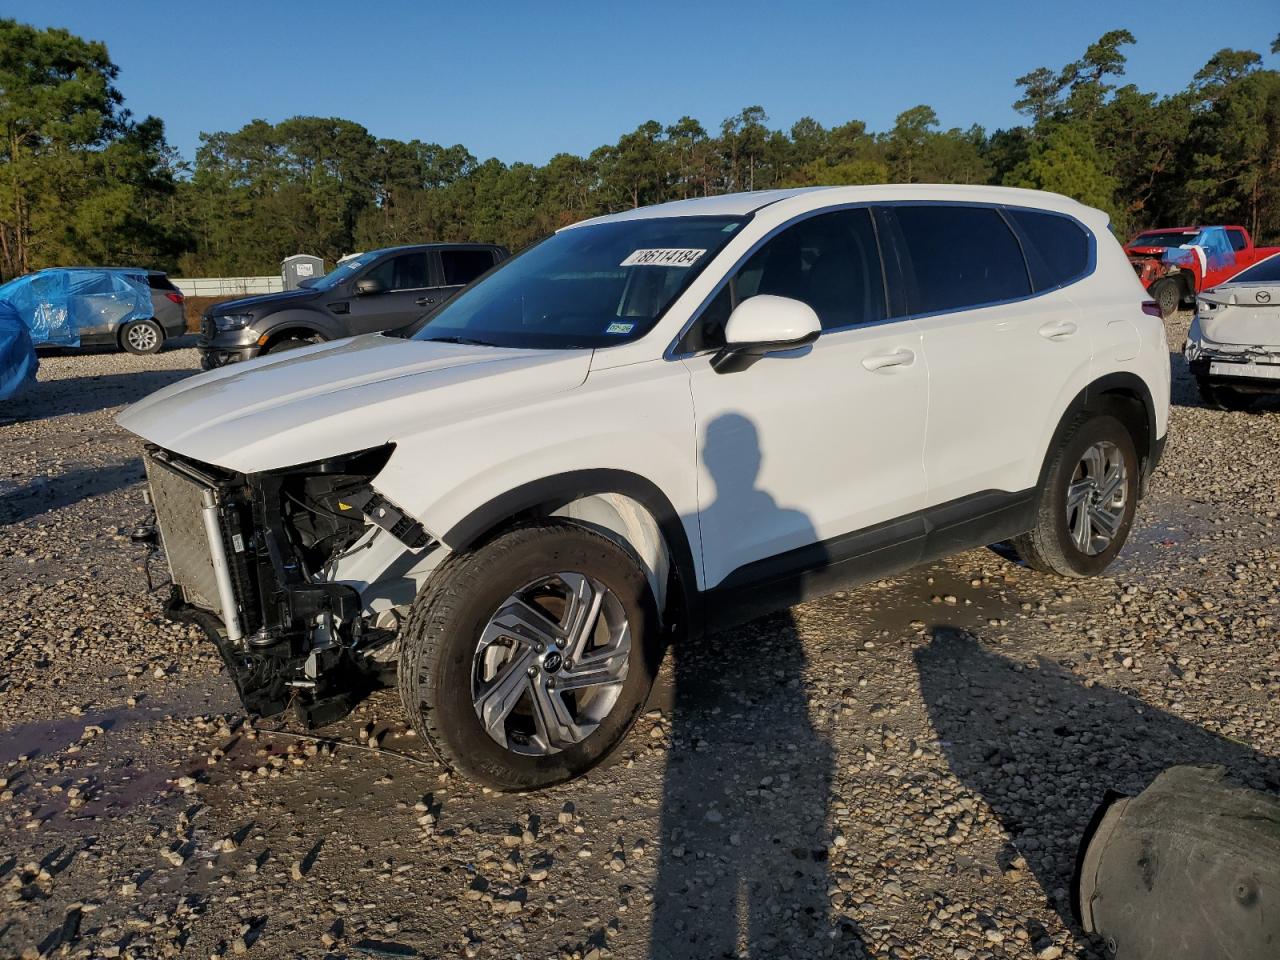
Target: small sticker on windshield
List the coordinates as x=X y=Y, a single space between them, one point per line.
x=619 y=328
x=663 y=257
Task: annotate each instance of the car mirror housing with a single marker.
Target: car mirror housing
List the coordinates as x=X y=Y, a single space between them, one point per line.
x=368 y=287
x=762 y=325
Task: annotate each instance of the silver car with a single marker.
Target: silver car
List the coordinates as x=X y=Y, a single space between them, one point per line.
x=101 y=311
x=1233 y=346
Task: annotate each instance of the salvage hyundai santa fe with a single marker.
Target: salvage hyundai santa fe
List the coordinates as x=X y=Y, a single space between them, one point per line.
x=648 y=425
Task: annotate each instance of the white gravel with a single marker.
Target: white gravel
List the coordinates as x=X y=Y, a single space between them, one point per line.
x=900 y=771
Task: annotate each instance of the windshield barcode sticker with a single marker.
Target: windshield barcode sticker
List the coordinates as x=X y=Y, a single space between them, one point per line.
x=663 y=257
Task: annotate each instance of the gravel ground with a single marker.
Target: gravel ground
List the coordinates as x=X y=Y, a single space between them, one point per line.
x=899 y=771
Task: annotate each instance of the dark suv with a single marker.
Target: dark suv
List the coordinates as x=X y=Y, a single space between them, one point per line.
x=377 y=290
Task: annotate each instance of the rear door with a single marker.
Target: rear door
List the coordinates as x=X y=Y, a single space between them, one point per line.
x=998 y=355
x=407 y=280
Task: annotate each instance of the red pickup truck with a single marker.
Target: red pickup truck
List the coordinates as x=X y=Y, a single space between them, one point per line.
x=1176 y=263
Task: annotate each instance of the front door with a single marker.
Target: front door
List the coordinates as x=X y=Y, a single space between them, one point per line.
x=807 y=447
x=406 y=279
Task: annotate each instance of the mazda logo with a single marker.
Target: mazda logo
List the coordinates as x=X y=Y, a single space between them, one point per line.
x=1264 y=296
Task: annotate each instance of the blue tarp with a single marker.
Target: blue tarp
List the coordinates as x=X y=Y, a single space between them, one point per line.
x=57 y=304
x=17 y=353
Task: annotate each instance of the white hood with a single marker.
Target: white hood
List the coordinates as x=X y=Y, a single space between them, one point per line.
x=1243 y=314
x=296 y=407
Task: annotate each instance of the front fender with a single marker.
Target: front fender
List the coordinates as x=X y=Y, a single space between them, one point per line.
x=301 y=318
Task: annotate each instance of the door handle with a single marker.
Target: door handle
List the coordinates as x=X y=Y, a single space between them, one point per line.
x=1058 y=329
x=897 y=358
x=423 y=301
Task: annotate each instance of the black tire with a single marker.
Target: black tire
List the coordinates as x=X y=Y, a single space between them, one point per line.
x=439 y=642
x=1049 y=546
x=1223 y=398
x=291 y=343
x=142 y=337
x=1167 y=293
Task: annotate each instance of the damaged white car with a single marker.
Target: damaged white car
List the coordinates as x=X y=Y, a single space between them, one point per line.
x=649 y=424
x=1233 y=346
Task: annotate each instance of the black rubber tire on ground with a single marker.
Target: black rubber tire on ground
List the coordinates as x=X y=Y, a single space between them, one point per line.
x=1223 y=398
x=1167 y=294
x=290 y=343
x=438 y=643
x=1048 y=546
x=142 y=337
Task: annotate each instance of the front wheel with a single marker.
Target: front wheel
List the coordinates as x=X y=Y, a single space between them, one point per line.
x=525 y=662
x=1168 y=295
x=291 y=343
x=1087 y=502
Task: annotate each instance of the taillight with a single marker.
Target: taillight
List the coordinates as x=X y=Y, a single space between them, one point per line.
x=175 y=297
x=1151 y=309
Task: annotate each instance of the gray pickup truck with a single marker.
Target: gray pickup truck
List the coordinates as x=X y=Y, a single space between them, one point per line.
x=378 y=290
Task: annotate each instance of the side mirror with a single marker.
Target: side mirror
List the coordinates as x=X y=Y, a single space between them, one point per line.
x=762 y=325
x=369 y=287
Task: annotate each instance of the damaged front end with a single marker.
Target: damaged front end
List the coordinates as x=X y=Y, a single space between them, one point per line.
x=254 y=561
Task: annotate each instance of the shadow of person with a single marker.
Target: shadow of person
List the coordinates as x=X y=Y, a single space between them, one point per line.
x=743 y=864
x=1042 y=749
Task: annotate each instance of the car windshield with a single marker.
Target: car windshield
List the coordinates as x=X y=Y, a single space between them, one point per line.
x=1174 y=238
x=1268 y=271
x=344 y=271
x=593 y=286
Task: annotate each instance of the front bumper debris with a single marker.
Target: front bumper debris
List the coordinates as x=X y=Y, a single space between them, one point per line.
x=241 y=572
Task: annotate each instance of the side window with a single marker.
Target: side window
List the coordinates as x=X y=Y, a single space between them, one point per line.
x=961 y=257
x=1057 y=248
x=1238 y=241
x=831 y=262
x=463 y=266
x=408 y=271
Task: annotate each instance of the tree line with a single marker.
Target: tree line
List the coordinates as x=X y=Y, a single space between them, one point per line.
x=84 y=182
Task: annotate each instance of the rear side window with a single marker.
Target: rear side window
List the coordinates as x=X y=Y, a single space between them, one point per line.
x=1238 y=241
x=159 y=281
x=1057 y=248
x=961 y=257
x=463 y=266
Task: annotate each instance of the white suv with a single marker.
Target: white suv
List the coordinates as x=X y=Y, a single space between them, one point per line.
x=649 y=424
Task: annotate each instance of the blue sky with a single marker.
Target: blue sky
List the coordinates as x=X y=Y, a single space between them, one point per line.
x=522 y=81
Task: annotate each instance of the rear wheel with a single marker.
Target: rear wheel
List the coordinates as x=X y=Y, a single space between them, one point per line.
x=141 y=336
x=525 y=662
x=1087 y=502
x=1168 y=294
x=1223 y=398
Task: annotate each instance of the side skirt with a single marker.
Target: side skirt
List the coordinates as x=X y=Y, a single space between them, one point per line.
x=873 y=553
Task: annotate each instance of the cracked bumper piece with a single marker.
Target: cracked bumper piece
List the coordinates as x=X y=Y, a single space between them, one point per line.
x=1190 y=867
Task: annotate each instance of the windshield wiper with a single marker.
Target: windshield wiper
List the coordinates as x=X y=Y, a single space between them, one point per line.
x=466 y=340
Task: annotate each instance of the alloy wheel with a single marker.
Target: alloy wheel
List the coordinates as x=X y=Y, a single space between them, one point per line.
x=1097 y=498
x=142 y=337
x=550 y=664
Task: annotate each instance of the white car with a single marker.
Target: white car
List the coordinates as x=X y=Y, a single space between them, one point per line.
x=1233 y=346
x=647 y=425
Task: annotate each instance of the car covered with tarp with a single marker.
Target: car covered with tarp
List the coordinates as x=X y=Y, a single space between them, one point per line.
x=17 y=353
x=70 y=306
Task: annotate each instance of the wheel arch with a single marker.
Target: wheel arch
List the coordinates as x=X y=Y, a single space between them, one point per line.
x=1125 y=396
x=602 y=499
x=297 y=322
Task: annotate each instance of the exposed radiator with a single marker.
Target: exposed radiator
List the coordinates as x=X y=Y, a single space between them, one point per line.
x=179 y=504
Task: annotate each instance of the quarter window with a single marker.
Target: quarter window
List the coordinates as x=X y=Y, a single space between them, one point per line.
x=831 y=262
x=463 y=266
x=961 y=257
x=1057 y=248
x=1238 y=241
